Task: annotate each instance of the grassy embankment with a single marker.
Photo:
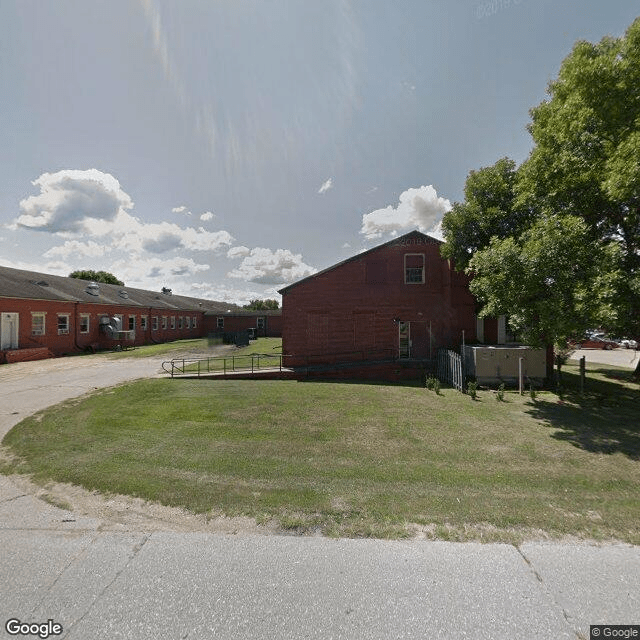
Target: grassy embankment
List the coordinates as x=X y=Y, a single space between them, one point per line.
x=358 y=459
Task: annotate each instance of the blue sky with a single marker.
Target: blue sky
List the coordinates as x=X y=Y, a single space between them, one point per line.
x=227 y=148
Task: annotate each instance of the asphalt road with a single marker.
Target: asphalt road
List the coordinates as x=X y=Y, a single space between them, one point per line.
x=99 y=582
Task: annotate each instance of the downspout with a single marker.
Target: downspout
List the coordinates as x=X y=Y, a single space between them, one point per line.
x=76 y=326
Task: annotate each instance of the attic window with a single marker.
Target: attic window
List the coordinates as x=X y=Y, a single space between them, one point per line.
x=40 y=283
x=414 y=268
x=123 y=294
x=93 y=289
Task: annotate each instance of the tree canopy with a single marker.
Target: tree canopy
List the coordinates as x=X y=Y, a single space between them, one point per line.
x=96 y=276
x=262 y=305
x=555 y=243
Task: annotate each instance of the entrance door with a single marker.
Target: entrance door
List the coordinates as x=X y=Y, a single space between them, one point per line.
x=9 y=331
x=404 y=342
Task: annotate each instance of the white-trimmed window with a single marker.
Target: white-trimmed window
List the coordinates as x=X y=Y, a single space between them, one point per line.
x=180 y=322
x=220 y=323
x=144 y=322
x=132 y=323
x=63 y=324
x=194 y=324
x=38 y=323
x=85 y=322
x=414 y=268
x=187 y=322
x=154 y=323
x=164 y=322
x=261 y=323
x=173 y=322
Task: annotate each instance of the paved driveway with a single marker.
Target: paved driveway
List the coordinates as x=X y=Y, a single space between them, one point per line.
x=99 y=581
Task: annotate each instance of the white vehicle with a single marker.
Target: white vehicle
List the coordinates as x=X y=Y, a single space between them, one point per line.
x=628 y=343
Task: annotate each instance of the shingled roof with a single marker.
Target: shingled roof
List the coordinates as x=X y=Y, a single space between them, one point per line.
x=17 y=283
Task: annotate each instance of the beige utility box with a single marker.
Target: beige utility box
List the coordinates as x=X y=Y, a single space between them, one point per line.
x=493 y=365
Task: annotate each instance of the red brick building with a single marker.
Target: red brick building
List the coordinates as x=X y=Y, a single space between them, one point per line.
x=400 y=300
x=266 y=323
x=43 y=315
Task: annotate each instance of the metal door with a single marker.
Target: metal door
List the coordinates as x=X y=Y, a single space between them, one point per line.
x=9 y=331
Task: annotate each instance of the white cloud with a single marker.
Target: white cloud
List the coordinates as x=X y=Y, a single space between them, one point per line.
x=72 y=248
x=225 y=293
x=420 y=208
x=207 y=215
x=346 y=245
x=326 y=186
x=70 y=198
x=264 y=266
x=238 y=252
x=148 y=273
x=182 y=210
x=91 y=203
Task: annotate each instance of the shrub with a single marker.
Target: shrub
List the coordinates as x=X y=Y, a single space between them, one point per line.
x=472 y=389
x=500 y=393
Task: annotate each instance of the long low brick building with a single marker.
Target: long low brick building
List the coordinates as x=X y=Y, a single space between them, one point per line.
x=44 y=315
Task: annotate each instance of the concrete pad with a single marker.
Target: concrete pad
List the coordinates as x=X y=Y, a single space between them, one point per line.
x=29 y=512
x=207 y=586
x=593 y=584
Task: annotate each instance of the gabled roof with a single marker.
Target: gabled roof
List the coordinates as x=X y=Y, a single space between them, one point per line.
x=17 y=283
x=360 y=255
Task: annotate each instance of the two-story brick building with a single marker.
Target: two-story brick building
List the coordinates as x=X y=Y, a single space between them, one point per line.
x=400 y=300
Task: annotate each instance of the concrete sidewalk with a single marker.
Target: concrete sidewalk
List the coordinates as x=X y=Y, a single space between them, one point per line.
x=100 y=581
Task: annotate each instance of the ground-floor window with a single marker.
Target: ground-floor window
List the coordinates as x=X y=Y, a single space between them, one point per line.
x=173 y=322
x=194 y=324
x=144 y=322
x=132 y=323
x=38 y=323
x=187 y=322
x=84 y=322
x=220 y=323
x=63 y=324
x=154 y=323
x=180 y=322
x=261 y=323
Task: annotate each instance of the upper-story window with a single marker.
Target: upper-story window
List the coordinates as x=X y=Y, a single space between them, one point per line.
x=414 y=268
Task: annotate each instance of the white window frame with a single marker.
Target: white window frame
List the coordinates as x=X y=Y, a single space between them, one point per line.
x=37 y=315
x=164 y=322
x=220 y=322
x=144 y=322
x=132 y=321
x=62 y=331
x=85 y=323
x=180 y=322
x=194 y=324
x=173 y=322
x=187 y=322
x=154 y=323
x=261 y=322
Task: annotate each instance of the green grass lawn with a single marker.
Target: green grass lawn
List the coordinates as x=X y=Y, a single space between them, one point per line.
x=352 y=459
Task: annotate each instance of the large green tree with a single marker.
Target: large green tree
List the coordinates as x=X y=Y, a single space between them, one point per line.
x=586 y=159
x=96 y=276
x=488 y=211
x=529 y=256
x=552 y=281
x=262 y=305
